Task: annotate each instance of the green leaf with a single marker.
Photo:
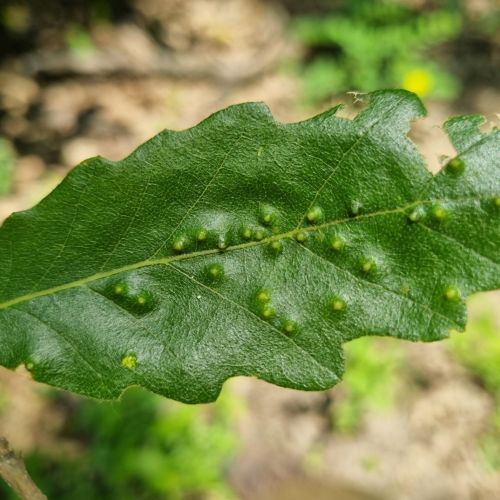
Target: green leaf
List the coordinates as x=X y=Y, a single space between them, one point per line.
x=244 y=246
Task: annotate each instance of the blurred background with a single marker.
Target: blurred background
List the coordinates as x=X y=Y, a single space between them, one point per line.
x=85 y=77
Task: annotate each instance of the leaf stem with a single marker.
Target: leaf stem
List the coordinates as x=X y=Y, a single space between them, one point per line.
x=13 y=471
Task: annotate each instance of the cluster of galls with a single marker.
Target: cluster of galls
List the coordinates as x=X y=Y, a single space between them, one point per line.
x=139 y=303
x=436 y=212
x=203 y=238
x=262 y=303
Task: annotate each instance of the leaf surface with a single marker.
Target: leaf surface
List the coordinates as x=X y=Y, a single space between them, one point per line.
x=245 y=246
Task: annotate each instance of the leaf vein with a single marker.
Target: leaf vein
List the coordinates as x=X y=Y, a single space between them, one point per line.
x=378 y=285
x=60 y=335
x=205 y=189
x=346 y=153
x=246 y=310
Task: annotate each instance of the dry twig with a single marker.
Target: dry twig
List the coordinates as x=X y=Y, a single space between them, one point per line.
x=13 y=470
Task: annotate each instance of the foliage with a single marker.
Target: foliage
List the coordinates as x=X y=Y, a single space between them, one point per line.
x=31 y=26
x=142 y=447
x=369 y=383
x=370 y=44
x=479 y=351
x=79 y=42
x=245 y=246
x=6 y=166
x=14 y=18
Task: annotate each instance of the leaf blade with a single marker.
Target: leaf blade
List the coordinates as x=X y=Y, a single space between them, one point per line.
x=110 y=283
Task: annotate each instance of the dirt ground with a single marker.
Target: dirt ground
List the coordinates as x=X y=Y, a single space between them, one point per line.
x=425 y=447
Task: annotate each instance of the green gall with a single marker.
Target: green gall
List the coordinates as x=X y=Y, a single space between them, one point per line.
x=263 y=296
x=276 y=246
x=337 y=243
x=120 y=288
x=301 y=236
x=259 y=235
x=417 y=214
x=215 y=271
x=289 y=326
x=314 y=215
x=246 y=233
x=356 y=208
x=267 y=312
x=201 y=235
x=439 y=213
x=455 y=166
x=452 y=293
x=267 y=215
x=337 y=304
x=367 y=265
x=144 y=299
x=180 y=244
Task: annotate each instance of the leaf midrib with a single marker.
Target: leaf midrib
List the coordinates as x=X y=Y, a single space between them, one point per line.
x=213 y=251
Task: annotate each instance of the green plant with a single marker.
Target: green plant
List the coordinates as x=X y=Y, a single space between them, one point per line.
x=369 y=382
x=479 y=351
x=7 y=158
x=14 y=18
x=78 y=41
x=366 y=45
x=142 y=447
x=244 y=246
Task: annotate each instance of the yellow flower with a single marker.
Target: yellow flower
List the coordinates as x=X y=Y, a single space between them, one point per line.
x=418 y=80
